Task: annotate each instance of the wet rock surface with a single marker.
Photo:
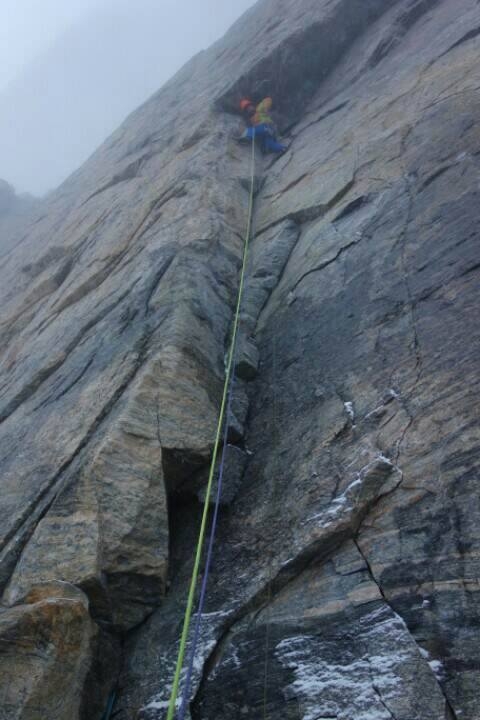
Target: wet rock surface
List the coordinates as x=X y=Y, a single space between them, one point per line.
x=345 y=576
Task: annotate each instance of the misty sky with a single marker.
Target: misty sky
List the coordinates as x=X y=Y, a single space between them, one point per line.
x=71 y=70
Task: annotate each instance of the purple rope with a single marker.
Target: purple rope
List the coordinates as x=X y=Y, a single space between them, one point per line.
x=203 y=591
x=188 y=680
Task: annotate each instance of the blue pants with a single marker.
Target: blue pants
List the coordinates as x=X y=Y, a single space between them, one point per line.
x=267 y=138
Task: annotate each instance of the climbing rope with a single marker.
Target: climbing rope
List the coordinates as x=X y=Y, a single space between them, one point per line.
x=225 y=409
x=111 y=702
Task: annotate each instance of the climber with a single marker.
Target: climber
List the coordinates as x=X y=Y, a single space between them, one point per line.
x=260 y=125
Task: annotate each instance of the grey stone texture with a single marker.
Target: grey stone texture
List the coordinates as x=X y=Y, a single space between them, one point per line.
x=345 y=579
x=16 y=212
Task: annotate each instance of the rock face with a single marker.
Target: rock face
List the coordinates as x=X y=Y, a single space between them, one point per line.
x=345 y=581
x=46 y=646
x=15 y=212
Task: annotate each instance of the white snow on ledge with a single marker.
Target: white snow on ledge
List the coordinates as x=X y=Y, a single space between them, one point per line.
x=346 y=501
x=436 y=666
x=349 y=410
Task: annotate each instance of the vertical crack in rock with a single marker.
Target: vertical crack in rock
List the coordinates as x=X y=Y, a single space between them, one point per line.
x=337 y=530
x=405 y=275
x=449 y=707
x=382 y=701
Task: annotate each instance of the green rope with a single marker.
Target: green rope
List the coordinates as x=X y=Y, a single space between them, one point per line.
x=203 y=526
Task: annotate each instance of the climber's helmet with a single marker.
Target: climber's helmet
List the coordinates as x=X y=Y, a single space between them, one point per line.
x=246 y=106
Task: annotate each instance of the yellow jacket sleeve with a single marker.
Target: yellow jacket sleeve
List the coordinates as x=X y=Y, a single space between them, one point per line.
x=262 y=115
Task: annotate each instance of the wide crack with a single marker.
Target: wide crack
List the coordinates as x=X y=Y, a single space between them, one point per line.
x=374 y=579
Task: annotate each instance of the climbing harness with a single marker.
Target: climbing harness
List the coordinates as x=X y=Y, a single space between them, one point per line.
x=224 y=414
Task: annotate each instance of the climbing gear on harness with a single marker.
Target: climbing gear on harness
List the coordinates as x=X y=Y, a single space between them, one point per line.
x=266 y=137
x=224 y=413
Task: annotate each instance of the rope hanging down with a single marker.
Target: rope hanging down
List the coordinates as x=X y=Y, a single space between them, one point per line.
x=111 y=702
x=224 y=414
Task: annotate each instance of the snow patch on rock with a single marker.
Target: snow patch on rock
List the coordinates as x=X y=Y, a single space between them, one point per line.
x=325 y=689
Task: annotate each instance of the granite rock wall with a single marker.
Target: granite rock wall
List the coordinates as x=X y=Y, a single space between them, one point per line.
x=345 y=577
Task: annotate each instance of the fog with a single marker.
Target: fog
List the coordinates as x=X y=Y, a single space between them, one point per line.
x=70 y=72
